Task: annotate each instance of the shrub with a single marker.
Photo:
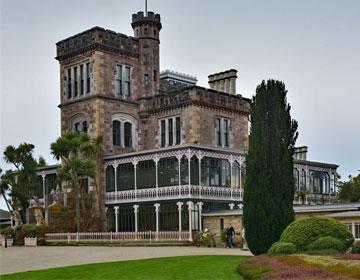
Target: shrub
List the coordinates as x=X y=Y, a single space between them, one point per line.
x=7 y=232
x=356 y=248
x=327 y=243
x=279 y=248
x=305 y=231
x=31 y=230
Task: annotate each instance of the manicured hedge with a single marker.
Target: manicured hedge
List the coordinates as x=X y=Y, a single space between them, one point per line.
x=31 y=230
x=305 y=231
x=7 y=232
x=327 y=243
x=279 y=248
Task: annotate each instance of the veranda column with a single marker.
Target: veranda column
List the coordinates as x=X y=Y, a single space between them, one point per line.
x=116 y=208
x=136 y=210
x=43 y=175
x=231 y=161
x=200 y=205
x=189 y=170
x=179 y=204
x=189 y=204
x=156 y=160
x=157 y=206
x=200 y=157
x=179 y=157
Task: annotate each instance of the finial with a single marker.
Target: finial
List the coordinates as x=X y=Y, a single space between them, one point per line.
x=146 y=8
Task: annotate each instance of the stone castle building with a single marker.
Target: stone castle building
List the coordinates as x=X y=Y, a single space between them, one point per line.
x=171 y=149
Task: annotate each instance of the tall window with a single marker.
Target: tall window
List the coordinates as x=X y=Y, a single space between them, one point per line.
x=222 y=132
x=81 y=79
x=127 y=135
x=163 y=135
x=88 y=77
x=170 y=131
x=75 y=82
x=127 y=82
x=116 y=133
x=69 y=86
x=118 y=80
x=85 y=126
x=178 y=130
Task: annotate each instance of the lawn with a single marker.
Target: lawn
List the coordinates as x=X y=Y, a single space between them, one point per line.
x=174 y=268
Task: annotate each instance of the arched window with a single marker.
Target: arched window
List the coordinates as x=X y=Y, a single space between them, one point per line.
x=124 y=127
x=128 y=135
x=79 y=123
x=116 y=133
x=303 y=180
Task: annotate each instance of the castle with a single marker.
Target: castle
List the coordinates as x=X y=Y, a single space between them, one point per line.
x=171 y=149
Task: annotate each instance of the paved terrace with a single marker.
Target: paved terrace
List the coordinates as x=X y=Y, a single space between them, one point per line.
x=17 y=259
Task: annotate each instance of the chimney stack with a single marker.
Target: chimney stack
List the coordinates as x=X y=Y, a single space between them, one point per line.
x=300 y=152
x=224 y=81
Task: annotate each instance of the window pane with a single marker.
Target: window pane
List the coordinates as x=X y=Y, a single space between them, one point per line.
x=226 y=133
x=110 y=179
x=116 y=133
x=84 y=126
x=145 y=174
x=87 y=77
x=170 y=130
x=125 y=176
x=168 y=172
x=218 y=132
x=81 y=79
x=128 y=135
x=118 y=80
x=127 y=82
x=75 y=81
x=178 y=130
x=163 y=136
x=69 y=83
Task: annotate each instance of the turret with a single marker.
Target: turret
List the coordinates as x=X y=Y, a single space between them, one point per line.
x=146 y=29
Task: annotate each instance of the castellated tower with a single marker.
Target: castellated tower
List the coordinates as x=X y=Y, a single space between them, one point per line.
x=146 y=29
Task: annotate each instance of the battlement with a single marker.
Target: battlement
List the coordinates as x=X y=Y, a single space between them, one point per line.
x=149 y=17
x=93 y=39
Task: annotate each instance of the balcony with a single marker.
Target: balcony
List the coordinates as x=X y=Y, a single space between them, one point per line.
x=176 y=192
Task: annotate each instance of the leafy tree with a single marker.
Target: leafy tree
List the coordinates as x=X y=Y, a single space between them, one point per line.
x=22 y=181
x=4 y=188
x=350 y=190
x=79 y=155
x=269 y=187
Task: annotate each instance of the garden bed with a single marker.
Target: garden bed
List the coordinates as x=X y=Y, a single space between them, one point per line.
x=301 y=267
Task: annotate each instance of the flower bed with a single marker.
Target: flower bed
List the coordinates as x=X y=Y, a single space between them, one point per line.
x=300 y=267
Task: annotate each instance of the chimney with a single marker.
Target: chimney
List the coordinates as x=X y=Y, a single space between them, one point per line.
x=300 y=152
x=224 y=81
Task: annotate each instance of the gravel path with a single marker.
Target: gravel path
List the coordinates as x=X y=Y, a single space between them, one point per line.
x=16 y=259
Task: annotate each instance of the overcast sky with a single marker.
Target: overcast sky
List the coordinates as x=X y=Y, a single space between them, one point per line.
x=312 y=46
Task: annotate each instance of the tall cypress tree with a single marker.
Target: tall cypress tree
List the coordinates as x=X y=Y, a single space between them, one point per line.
x=269 y=187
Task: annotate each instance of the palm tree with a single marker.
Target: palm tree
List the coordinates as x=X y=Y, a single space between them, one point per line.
x=4 y=188
x=79 y=155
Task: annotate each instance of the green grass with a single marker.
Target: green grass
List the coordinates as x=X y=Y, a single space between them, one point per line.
x=174 y=268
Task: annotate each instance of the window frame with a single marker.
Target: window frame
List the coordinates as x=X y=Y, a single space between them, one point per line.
x=222 y=132
x=169 y=133
x=123 y=119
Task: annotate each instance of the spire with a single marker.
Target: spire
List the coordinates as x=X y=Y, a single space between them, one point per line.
x=146 y=8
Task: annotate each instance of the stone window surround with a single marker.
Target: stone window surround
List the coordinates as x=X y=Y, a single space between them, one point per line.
x=167 y=130
x=87 y=91
x=222 y=132
x=79 y=118
x=123 y=118
x=123 y=66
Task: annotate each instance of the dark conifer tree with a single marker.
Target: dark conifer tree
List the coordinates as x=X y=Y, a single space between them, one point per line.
x=269 y=188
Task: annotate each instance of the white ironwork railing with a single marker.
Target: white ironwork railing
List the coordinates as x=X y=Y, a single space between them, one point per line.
x=118 y=236
x=175 y=192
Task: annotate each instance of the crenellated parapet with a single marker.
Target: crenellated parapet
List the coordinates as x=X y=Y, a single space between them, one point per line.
x=96 y=38
x=197 y=96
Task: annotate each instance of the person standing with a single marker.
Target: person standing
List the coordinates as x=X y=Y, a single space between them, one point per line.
x=230 y=232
